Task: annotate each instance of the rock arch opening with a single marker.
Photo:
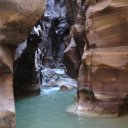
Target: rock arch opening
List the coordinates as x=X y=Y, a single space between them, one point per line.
x=66 y=31
x=50 y=45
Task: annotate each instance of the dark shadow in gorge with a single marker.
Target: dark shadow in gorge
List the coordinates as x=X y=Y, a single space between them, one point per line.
x=46 y=48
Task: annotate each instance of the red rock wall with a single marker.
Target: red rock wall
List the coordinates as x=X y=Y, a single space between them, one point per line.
x=104 y=69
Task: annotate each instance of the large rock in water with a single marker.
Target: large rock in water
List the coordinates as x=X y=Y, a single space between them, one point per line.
x=17 y=17
x=103 y=75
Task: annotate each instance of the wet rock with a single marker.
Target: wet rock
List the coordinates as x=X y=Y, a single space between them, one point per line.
x=49 y=77
x=59 y=71
x=48 y=72
x=57 y=78
x=65 y=88
x=67 y=81
x=51 y=83
x=67 y=84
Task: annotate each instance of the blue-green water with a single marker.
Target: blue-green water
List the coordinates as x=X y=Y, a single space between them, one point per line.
x=49 y=111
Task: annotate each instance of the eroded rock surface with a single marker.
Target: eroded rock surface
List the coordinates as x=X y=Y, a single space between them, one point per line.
x=7 y=107
x=17 y=19
x=104 y=64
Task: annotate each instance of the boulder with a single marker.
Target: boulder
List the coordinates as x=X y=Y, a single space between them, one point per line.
x=65 y=88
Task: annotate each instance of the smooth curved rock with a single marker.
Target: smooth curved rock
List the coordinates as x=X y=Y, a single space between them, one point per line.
x=17 y=19
x=7 y=107
x=107 y=23
x=65 y=88
x=105 y=63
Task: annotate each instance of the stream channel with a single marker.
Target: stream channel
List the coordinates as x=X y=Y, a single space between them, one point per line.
x=48 y=110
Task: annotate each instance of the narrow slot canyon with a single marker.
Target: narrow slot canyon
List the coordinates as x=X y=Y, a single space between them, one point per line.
x=63 y=63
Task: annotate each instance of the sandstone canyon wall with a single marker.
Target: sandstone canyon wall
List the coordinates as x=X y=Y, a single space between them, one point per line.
x=100 y=31
x=17 y=17
x=103 y=74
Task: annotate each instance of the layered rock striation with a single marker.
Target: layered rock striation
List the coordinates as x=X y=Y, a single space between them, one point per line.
x=103 y=73
x=17 y=19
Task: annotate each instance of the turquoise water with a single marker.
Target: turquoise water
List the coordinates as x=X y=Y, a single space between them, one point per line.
x=49 y=111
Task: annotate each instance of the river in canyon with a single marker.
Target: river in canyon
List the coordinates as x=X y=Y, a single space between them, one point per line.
x=48 y=110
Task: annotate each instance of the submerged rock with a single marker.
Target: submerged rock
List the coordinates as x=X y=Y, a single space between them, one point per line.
x=67 y=81
x=65 y=87
x=57 y=78
x=48 y=72
x=49 y=77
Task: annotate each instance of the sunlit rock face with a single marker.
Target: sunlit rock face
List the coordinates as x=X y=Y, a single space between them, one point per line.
x=16 y=20
x=107 y=23
x=104 y=64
